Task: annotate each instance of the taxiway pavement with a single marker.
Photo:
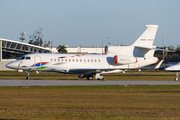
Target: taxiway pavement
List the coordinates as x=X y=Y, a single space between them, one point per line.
x=5 y=82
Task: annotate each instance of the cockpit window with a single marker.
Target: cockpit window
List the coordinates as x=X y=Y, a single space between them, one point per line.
x=21 y=58
x=24 y=57
x=28 y=58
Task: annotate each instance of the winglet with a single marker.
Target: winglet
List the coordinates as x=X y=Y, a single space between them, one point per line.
x=158 y=65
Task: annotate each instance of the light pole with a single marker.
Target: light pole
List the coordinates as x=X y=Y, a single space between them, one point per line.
x=22 y=34
x=51 y=44
x=163 y=44
x=102 y=43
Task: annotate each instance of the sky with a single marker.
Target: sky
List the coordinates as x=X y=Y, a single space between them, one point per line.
x=88 y=22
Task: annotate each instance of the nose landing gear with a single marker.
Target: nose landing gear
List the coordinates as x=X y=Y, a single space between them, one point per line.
x=177 y=74
x=28 y=75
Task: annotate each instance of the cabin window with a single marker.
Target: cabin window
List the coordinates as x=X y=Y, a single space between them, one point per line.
x=80 y=60
x=95 y=60
x=58 y=59
x=76 y=60
x=27 y=58
x=72 y=60
x=62 y=60
x=99 y=60
x=65 y=60
x=69 y=60
x=55 y=60
x=91 y=60
x=88 y=60
x=84 y=60
x=51 y=60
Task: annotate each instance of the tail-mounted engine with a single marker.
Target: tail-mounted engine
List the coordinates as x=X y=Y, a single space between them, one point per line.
x=124 y=60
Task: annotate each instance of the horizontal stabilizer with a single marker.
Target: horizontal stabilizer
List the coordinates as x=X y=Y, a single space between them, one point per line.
x=152 y=48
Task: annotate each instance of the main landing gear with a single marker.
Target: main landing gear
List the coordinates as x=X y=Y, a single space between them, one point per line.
x=91 y=76
x=99 y=77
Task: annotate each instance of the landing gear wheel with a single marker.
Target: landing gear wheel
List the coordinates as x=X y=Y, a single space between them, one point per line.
x=28 y=75
x=90 y=77
x=177 y=74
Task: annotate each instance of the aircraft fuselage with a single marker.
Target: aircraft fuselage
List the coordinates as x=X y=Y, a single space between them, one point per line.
x=72 y=63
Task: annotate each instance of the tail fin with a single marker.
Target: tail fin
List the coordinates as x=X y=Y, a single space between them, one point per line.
x=147 y=38
x=142 y=46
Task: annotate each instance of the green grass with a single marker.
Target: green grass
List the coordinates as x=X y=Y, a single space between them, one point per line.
x=91 y=102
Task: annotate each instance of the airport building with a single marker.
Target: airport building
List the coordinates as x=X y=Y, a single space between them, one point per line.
x=85 y=50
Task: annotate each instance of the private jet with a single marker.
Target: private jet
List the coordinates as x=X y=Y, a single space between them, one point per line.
x=174 y=68
x=115 y=59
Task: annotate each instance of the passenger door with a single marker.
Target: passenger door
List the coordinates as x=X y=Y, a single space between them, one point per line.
x=37 y=61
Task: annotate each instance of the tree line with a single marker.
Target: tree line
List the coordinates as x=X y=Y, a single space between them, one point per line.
x=173 y=55
x=36 y=39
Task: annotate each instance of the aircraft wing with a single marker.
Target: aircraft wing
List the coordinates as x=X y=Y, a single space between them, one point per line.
x=93 y=71
x=87 y=71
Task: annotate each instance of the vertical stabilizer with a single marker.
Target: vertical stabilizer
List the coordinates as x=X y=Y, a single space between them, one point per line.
x=140 y=48
x=147 y=38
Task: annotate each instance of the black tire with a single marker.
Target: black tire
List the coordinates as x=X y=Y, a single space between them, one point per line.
x=90 y=77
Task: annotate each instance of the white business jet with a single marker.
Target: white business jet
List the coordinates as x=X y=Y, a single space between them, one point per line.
x=174 y=68
x=115 y=59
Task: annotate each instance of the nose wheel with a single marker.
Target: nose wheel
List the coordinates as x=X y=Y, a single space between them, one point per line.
x=177 y=74
x=28 y=75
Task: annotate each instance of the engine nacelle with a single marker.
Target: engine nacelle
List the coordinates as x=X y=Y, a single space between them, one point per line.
x=124 y=60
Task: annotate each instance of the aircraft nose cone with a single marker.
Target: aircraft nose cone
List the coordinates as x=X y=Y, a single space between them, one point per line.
x=11 y=65
x=173 y=68
x=168 y=68
x=8 y=65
